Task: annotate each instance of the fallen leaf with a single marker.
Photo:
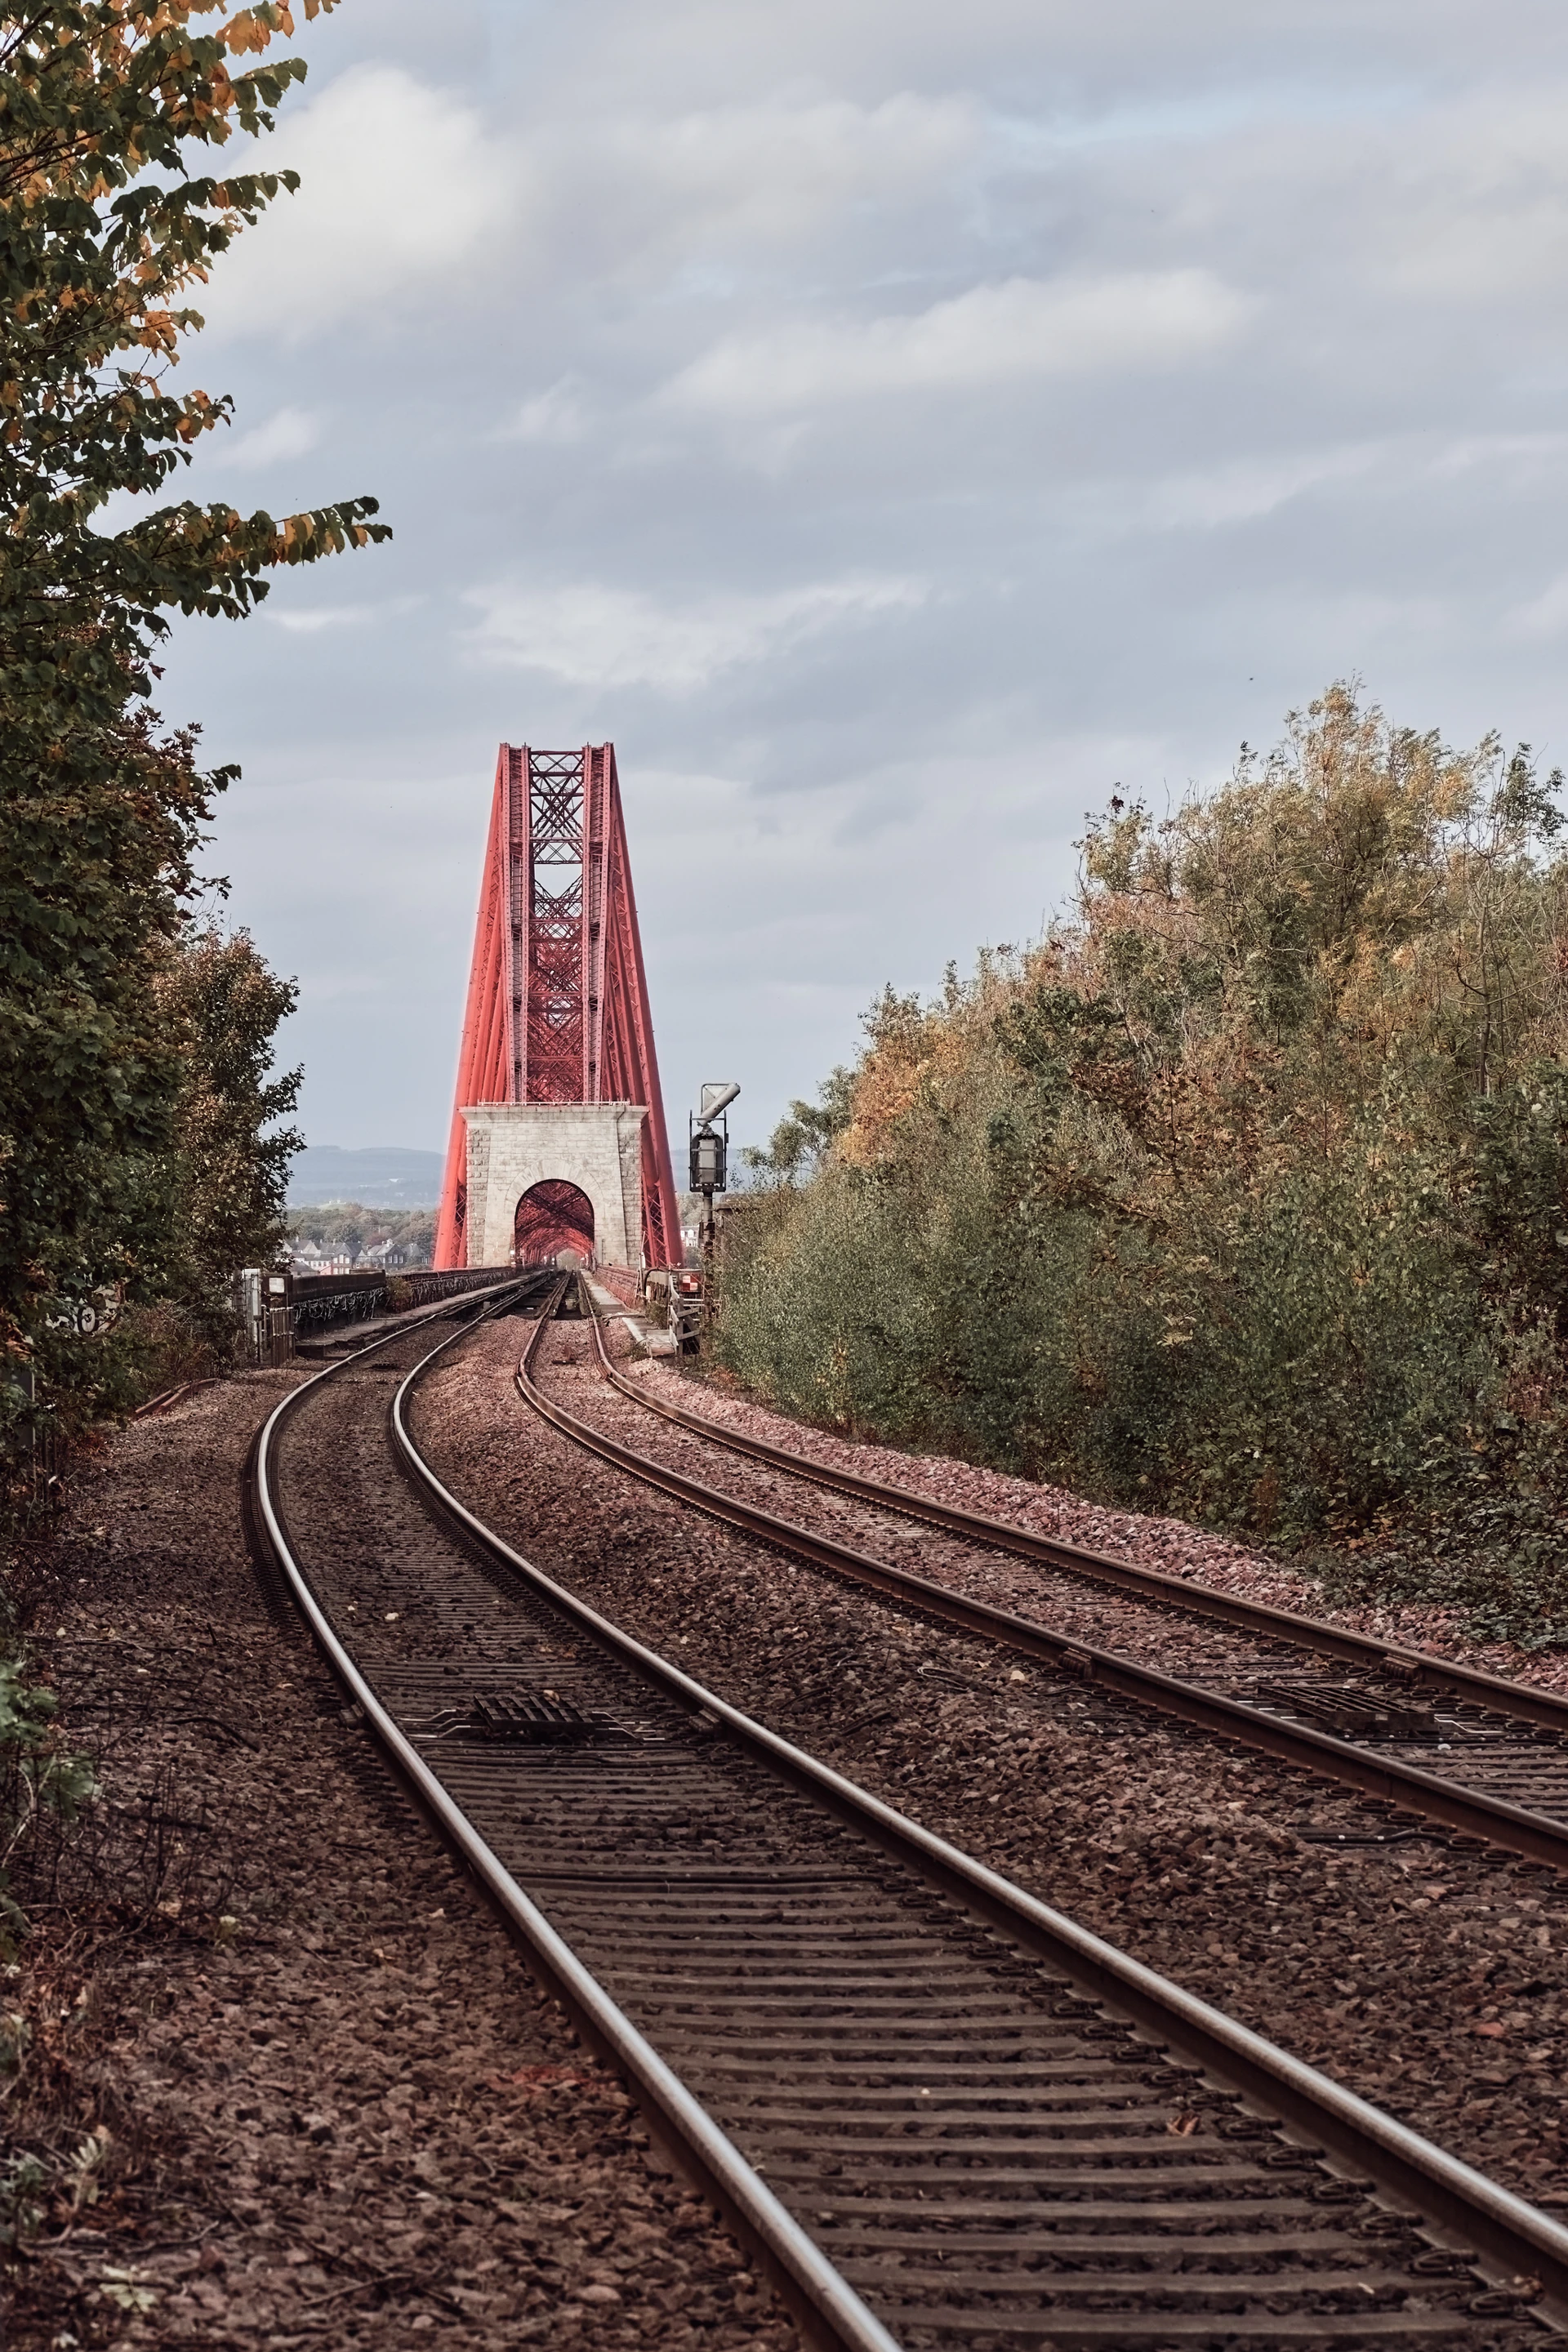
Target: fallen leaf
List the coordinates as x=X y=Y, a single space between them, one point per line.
x=542 y=2078
x=126 y=2289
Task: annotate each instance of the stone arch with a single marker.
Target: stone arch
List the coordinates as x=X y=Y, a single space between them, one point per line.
x=515 y=1148
x=551 y=1216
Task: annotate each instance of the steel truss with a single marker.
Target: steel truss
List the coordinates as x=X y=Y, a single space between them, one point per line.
x=557 y=1007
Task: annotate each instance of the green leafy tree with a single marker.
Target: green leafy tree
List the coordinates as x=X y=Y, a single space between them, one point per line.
x=224 y=1181
x=107 y=230
x=803 y=1137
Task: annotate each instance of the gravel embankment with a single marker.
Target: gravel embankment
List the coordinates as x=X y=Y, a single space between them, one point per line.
x=1157 y=1633
x=1080 y=1610
x=1431 y=1981
x=336 y=2109
x=1174 y=1547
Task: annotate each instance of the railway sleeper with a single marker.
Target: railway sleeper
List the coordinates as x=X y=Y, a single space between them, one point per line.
x=1250 y=2184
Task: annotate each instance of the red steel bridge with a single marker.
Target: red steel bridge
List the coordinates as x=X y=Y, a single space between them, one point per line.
x=558 y=1008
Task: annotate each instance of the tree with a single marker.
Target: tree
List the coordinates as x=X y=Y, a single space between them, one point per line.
x=805 y=1135
x=1245 y=1193
x=105 y=230
x=223 y=1181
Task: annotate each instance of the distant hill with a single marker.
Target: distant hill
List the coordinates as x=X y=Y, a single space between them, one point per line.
x=381 y=1178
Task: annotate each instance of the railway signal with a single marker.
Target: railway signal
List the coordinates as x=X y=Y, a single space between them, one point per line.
x=710 y=1146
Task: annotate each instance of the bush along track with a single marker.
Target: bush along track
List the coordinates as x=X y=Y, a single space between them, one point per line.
x=1244 y=1195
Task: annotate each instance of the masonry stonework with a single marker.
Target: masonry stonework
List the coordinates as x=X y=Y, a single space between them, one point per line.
x=511 y=1147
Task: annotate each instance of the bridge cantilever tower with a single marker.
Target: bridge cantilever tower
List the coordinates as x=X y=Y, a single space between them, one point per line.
x=558 y=1136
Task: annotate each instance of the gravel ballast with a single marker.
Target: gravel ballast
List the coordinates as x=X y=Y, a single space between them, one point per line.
x=1162 y=1631
x=328 y=2103
x=1174 y=1547
x=1430 y=1979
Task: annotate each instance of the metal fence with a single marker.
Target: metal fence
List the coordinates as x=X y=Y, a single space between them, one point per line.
x=283 y=1310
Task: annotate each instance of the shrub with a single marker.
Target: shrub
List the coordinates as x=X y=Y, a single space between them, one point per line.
x=1244 y=1195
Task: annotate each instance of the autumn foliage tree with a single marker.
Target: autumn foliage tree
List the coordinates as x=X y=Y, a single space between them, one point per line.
x=1245 y=1193
x=108 y=231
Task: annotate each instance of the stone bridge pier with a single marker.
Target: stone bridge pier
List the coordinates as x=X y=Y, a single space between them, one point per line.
x=514 y=1147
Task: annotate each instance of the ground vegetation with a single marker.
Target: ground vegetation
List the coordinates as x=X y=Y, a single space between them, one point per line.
x=1243 y=1195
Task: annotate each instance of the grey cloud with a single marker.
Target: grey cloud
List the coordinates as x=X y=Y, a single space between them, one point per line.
x=591 y=635
x=895 y=426
x=289 y=432
x=1020 y=331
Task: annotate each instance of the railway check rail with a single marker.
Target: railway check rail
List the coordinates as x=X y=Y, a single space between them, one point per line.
x=941 y=2112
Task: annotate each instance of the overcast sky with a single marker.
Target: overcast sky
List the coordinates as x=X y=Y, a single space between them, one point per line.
x=896 y=426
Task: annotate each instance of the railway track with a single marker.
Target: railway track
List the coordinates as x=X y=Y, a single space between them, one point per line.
x=941 y=2113
x=1420 y=1737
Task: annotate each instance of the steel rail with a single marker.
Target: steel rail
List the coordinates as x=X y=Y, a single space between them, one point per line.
x=834 y=2312
x=1521 y=2240
x=1495 y=1691
x=1536 y=1836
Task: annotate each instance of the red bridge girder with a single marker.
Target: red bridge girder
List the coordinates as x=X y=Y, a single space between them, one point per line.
x=557 y=1008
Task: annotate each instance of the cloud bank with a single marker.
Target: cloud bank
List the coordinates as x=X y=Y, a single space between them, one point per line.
x=1020 y=331
x=897 y=429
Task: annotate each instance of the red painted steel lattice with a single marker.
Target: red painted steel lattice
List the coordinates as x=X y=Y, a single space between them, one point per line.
x=552 y=1217
x=557 y=1008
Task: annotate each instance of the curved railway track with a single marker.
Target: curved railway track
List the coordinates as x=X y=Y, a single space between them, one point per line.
x=942 y=2114
x=1421 y=1736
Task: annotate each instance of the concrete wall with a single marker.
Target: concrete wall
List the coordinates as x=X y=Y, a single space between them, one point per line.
x=515 y=1146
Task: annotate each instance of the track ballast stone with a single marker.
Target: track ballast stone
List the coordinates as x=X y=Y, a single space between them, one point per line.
x=350 y=2119
x=1429 y=1978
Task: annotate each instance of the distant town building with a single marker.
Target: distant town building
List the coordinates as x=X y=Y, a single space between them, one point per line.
x=307 y=1257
